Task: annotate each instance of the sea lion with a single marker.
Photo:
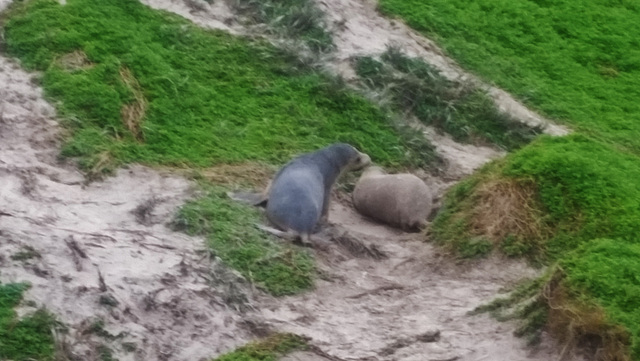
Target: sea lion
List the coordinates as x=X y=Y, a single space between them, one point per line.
x=298 y=196
x=400 y=200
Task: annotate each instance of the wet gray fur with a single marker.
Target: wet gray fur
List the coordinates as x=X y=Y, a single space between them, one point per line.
x=298 y=198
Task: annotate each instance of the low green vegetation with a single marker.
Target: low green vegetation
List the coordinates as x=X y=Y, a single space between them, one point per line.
x=138 y=85
x=458 y=108
x=229 y=227
x=268 y=349
x=27 y=338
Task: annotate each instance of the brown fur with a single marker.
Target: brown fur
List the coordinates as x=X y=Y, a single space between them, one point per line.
x=400 y=200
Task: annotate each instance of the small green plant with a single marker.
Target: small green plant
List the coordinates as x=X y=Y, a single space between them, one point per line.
x=25 y=253
x=268 y=349
x=229 y=227
x=105 y=353
x=474 y=247
x=458 y=108
x=27 y=338
x=526 y=303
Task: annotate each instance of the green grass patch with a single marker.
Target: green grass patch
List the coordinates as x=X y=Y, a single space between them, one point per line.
x=576 y=61
x=28 y=338
x=139 y=85
x=458 y=108
x=268 y=349
x=229 y=226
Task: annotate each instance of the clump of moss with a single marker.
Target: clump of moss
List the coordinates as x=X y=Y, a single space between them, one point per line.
x=268 y=349
x=27 y=338
x=461 y=109
x=230 y=230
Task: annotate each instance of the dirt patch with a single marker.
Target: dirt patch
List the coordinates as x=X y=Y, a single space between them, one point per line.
x=208 y=14
x=105 y=256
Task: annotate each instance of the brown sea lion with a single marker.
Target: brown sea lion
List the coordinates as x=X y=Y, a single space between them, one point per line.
x=400 y=200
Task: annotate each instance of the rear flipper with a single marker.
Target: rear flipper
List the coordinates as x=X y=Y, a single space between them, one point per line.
x=253 y=198
x=303 y=239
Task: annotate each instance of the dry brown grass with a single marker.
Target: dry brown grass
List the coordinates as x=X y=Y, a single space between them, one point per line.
x=75 y=60
x=578 y=324
x=255 y=174
x=103 y=164
x=133 y=113
x=504 y=207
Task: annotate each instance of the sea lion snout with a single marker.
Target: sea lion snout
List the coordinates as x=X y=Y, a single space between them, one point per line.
x=362 y=160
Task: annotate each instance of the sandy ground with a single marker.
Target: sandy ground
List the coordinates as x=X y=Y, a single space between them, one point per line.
x=411 y=305
x=105 y=252
x=103 y=243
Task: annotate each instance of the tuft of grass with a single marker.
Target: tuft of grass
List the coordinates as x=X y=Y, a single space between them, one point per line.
x=292 y=19
x=458 y=108
x=526 y=304
x=28 y=338
x=268 y=349
x=159 y=90
x=27 y=252
x=279 y=268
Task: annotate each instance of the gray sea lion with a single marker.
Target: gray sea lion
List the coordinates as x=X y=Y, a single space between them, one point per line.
x=298 y=196
x=400 y=200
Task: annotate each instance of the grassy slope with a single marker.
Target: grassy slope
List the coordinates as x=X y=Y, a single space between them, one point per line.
x=579 y=62
x=29 y=338
x=210 y=97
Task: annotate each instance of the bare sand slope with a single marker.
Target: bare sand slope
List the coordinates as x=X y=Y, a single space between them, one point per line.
x=104 y=243
x=410 y=306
